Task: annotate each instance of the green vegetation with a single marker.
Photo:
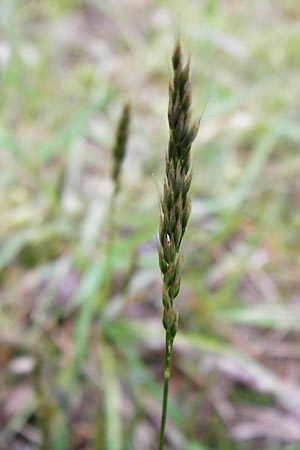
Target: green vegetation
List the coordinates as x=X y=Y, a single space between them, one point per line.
x=81 y=341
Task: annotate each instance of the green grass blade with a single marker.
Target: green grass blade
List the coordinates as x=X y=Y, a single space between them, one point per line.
x=265 y=316
x=112 y=394
x=74 y=128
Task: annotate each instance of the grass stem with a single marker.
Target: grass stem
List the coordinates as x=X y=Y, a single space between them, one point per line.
x=168 y=356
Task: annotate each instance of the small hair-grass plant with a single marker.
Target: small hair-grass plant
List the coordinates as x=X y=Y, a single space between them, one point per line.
x=93 y=306
x=105 y=359
x=95 y=303
x=119 y=151
x=175 y=206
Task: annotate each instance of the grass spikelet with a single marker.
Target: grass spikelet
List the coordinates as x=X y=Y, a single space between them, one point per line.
x=175 y=204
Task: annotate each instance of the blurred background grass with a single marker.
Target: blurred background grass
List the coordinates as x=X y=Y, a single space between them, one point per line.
x=80 y=371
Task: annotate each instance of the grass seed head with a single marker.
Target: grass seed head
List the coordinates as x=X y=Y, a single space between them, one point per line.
x=175 y=200
x=120 y=144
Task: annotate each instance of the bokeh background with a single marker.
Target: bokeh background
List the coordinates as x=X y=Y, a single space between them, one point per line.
x=81 y=340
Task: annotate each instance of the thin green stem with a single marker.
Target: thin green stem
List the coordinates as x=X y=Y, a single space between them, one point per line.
x=108 y=258
x=168 y=355
x=102 y=301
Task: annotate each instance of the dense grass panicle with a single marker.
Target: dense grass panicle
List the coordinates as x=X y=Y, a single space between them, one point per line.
x=175 y=201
